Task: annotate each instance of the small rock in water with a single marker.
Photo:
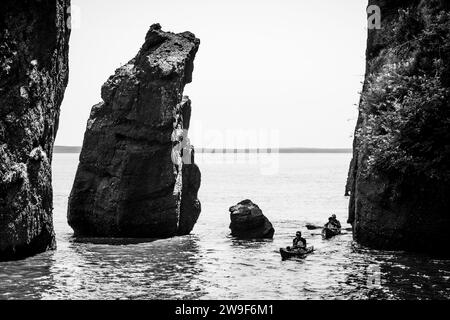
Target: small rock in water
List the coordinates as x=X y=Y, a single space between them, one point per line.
x=248 y=222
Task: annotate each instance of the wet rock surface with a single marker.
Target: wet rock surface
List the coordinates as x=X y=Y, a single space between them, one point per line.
x=136 y=176
x=249 y=222
x=399 y=177
x=34 y=37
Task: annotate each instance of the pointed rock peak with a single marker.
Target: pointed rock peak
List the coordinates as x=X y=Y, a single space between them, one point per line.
x=155 y=26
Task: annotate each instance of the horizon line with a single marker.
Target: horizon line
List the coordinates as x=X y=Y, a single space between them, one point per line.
x=77 y=149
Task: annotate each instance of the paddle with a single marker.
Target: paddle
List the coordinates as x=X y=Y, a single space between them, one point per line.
x=311 y=226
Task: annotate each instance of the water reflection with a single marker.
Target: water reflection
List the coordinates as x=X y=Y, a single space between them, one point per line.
x=211 y=265
x=111 y=241
x=26 y=279
x=155 y=270
x=198 y=267
x=249 y=244
x=78 y=271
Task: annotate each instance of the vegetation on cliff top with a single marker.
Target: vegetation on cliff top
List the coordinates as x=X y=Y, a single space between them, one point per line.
x=405 y=106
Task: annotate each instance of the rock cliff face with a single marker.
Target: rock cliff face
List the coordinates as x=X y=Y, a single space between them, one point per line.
x=34 y=38
x=399 y=179
x=136 y=176
x=248 y=222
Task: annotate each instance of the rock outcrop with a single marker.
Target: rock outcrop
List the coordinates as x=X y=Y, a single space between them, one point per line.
x=399 y=179
x=136 y=176
x=248 y=222
x=34 y=38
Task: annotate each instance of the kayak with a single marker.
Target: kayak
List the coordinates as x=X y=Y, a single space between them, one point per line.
x=295 y=253
x=328 y=233
x=310 y=226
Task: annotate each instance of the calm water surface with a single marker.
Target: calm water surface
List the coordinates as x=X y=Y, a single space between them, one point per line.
x=291 y=189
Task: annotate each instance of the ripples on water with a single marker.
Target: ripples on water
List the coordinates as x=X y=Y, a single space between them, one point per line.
x=208 y=264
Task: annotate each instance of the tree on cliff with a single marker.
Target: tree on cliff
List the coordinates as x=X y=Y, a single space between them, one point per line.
x=400 y=172
x=406 y=106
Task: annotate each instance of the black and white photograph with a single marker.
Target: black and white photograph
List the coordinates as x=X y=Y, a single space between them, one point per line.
x=243 y=152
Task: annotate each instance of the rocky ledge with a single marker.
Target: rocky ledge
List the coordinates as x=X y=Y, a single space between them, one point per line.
x=137 y=176
x=248 y=222
x=34 y=46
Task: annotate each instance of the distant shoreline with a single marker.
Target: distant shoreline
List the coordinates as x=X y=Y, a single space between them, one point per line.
x=77 y=149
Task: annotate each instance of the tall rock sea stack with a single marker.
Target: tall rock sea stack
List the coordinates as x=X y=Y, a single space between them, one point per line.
x=135 y=177
x=34 y=38
x=399 y=179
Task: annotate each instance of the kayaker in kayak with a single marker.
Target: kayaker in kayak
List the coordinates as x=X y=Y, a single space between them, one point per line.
x=299 y=242
x=298 y=249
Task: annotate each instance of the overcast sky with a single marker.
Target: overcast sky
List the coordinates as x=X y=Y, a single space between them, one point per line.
x=278 y=73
